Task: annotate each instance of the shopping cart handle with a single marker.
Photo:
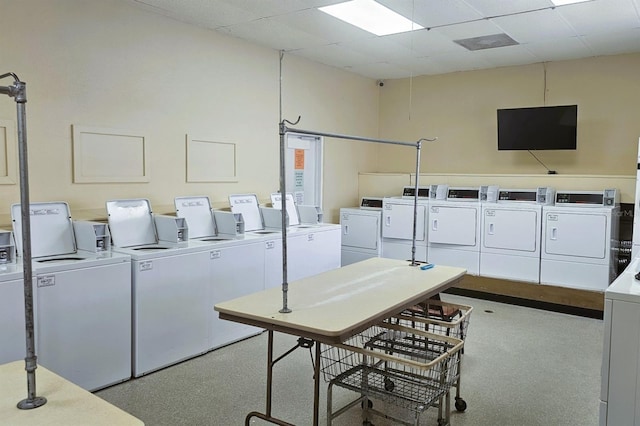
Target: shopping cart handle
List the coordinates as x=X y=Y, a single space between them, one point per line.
x=427 y=266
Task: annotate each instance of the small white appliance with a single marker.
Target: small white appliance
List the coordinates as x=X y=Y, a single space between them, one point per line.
x=619 y=403
x=361 y=237
x=576 y=239
x=236 y=262
x=635 y=249
x=82 y=300
x=511 y=233
x=169 y=280
x=454 y=227
x=12 y=320
x=397 y=224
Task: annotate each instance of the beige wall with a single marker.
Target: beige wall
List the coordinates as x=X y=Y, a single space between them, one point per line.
x=110 y=64
x=460 y=109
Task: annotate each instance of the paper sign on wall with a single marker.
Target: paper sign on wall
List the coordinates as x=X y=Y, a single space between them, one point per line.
x=299 y=159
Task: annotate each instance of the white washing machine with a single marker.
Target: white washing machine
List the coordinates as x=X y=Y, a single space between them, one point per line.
x=397 y=224
x=454 y=227
x=12 y=320
x=576 y=239
x=361 y=237
x=511 y=233
x=311 y=248
x=170 y=285
x=236 y=261
x=82 y=300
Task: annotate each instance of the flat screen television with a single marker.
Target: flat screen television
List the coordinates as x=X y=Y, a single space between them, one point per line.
x=537 y=128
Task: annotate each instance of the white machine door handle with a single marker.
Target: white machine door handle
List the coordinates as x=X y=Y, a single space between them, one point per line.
x=434 y=224
x=387 y=220
x=346 y=230
x=491 y=228
x=554 y=233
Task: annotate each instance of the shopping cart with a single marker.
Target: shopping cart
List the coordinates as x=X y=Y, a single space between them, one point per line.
x=401 y=365
x=436 y=316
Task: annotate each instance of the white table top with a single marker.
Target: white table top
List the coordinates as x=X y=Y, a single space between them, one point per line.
x=334 y=305
x=67 y=404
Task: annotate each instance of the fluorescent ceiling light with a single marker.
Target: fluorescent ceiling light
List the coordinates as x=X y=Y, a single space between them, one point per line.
x=563 y=2
x=371 y=16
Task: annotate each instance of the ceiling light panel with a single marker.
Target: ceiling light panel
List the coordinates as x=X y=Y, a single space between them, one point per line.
x=371 y=16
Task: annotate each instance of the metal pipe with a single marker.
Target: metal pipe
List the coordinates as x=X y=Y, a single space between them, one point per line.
x=415 y=204
x=19 y=91
x=283 y=194
x=353 y=138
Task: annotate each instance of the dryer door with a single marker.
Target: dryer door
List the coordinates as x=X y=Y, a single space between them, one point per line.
x=397 y=221
x=453 y=225
x=360 y=230
x=576 y=234
x=515 y=229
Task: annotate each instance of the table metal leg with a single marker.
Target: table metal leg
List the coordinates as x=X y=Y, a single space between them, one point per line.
x=302 y=343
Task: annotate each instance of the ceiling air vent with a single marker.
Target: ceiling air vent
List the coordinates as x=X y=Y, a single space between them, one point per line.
x=486 y=42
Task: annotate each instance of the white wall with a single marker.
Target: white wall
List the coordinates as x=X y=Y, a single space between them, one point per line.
x=108 y=63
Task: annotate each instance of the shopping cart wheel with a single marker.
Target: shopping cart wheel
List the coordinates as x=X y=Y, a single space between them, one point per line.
x=460 y=404
x=389 y=385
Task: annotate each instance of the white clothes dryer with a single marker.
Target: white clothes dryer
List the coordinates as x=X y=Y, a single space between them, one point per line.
x=454 y=228
x=576 y=240
x=511 y=233
x=397 y=224
x=169 y=281
x=82 y=301
x=361 y=227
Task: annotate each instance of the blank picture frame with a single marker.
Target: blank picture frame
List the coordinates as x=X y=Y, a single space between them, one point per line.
x=8 y=153
x=209 y=160
x=105 y=155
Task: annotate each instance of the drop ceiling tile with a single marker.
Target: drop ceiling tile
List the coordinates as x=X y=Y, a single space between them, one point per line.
x=460 y=61
x=210 y=14
x=322 y=25
x=335 y=55
x=433 y=13
x=535 y=26
x=382 y=48
x=426 y=42
x=267 y=32
x=490 y=8
x=269 y=8
x=468 y=30
x=506 y=56
x=559 y=49
x=601 y=16
x=380 y=70
x=614 y=43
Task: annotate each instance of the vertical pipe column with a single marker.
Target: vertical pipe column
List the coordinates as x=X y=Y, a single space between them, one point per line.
x=32 y=401
x=415 y=204
x=285 y=283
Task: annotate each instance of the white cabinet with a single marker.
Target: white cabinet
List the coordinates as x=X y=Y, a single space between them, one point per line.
x=619 y=404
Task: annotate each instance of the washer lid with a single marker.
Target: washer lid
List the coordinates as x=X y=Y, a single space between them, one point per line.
x=290 y=205
x=197 y=211
x=131 y=222
x=51 y=228
x=247 y=204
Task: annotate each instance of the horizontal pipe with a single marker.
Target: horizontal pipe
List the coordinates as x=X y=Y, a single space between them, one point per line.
x=354 y=138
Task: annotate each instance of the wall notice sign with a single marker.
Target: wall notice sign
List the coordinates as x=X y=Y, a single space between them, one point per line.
x=299 y=159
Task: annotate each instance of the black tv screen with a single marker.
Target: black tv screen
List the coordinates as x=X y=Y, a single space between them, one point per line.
x=550 y=127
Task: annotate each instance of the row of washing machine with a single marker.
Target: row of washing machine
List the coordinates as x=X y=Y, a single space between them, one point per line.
x=135 y=295
x=564 y=238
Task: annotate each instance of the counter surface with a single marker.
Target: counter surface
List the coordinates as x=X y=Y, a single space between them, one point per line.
x=67 y=404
